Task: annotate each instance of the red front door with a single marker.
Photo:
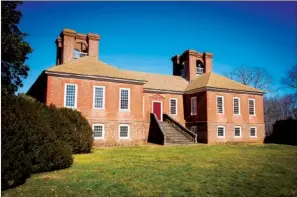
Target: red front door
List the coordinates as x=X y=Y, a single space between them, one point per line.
x=157 y=109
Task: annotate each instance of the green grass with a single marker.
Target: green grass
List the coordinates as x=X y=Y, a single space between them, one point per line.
x=199 y=170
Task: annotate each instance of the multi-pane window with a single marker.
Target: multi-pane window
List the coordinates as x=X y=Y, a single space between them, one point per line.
x=220 y=104
x=70 y=95
x=194 y=129
x=221 y=131
x=99 y=97
x=124 y=98
x=237 y=131
x=173 y=106
x=236 y=106
x=253 y=132
x=124 y=131
x=98 y=131
x=252 y=107
x=193 y=106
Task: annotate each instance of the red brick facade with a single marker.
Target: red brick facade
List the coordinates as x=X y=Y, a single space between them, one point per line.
x=137 y=117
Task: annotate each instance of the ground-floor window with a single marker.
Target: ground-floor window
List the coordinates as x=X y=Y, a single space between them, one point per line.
x=253 y=132
x=237 y=131
x=98 y=131
x=221 y=131
x=124 y=131
x=194 y=129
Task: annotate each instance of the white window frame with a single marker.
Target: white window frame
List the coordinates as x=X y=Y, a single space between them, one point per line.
x=239 y=113
x=103 y=131
x=220 y=126
x=223 y=104
x=254 y=107
x=240 y=131
x=194 y=128
x=195 y=111
x=119 y=131
x=103 y=102
x=129 y=101
x=255 y=132
x=75 y=100
x=175 y=106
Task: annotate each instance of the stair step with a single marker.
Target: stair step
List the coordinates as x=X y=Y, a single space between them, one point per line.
x=173 y=136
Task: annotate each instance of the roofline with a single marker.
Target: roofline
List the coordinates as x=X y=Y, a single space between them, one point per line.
x=95 y=77
x=151 y=90
x=223 y=90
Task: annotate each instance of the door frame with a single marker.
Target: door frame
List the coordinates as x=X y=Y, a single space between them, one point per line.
x=154 y=101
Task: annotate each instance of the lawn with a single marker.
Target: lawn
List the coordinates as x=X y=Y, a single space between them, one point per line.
x=198 y=170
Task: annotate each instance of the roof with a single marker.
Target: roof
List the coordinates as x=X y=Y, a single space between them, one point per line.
x=213 y=80
x=162 y=82
x=91 y=66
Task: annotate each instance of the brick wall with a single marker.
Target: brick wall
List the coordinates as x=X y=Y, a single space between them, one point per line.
x=229 y=120
x=164 y=98
x=111 y=116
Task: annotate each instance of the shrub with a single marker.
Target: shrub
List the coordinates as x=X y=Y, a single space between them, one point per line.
x=78 y=134
x=15 y=163
x=26 y=129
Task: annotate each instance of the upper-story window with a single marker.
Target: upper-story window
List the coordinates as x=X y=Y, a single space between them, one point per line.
x=78 y=54
x=70 y=96
x=199 y=67
x=193 y=106
x=124 y=98
x=173 y=106
x=220 y=104
x=252 y=107
x=99 y=94
x=236 y=106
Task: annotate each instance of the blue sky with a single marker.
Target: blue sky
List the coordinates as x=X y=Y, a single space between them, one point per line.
x=143 y=36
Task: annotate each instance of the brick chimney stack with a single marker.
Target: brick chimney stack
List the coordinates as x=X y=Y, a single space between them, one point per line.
x=191 y=64
x=72 y=45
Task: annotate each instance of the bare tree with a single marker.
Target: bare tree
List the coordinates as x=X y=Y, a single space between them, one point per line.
x=255 y=77
x=290 y=80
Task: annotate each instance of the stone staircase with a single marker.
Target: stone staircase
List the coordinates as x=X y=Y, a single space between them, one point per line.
x=172 y=136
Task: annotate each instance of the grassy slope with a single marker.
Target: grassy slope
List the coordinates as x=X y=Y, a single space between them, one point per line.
x=225 y=170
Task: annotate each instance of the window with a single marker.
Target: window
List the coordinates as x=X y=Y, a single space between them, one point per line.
x=237 y=131
x=194 y=129
x=124 y=131
x=125 y=98
x=193 y=106
x=70 y=95
x=98 y=131
x=236 y=106
x=253 y=132
x=99 y=94
x=252 y=107
x=221 y=131
x=220 y=104
x=173 y=106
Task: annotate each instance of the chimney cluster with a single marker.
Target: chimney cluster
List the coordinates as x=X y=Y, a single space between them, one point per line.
x=191 y=63
x=72 y=45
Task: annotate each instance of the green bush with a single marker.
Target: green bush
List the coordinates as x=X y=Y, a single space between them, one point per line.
x=15 y=162
x=28 y=123
x=78 y=134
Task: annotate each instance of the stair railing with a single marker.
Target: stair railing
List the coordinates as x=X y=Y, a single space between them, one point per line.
x=156 y=134
x=188 y=134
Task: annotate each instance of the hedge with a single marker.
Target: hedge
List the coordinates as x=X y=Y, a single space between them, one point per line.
x=38 y=138
x=70 y=126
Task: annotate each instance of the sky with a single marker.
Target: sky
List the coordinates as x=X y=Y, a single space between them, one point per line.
x=143 y=36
